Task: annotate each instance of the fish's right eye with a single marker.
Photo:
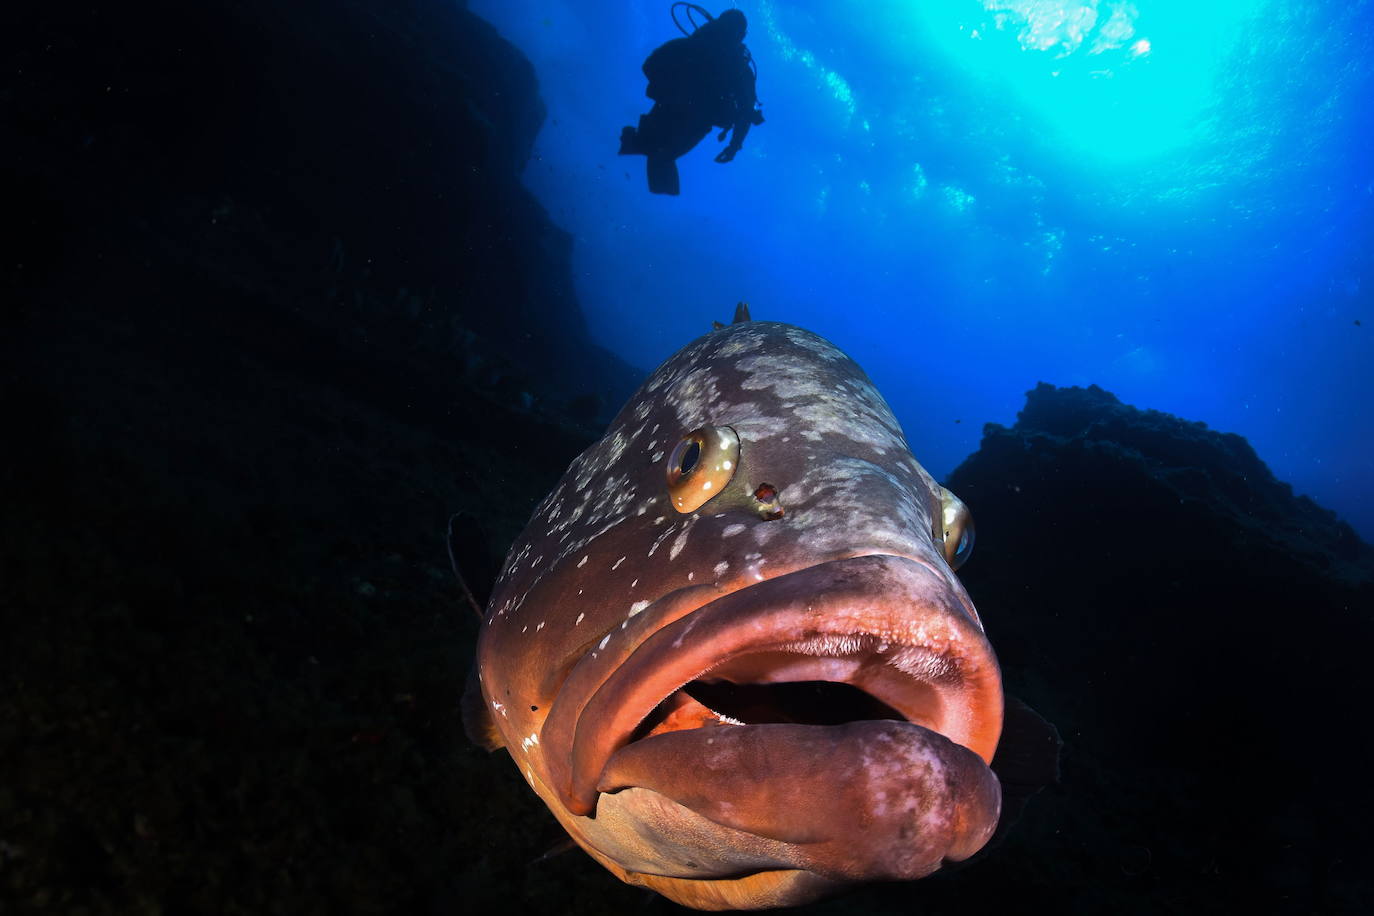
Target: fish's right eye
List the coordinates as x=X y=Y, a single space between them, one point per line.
x=702 y=463
x=954 y=529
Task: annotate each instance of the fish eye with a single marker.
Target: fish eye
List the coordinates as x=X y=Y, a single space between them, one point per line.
x=702 y=463
x=956 y=527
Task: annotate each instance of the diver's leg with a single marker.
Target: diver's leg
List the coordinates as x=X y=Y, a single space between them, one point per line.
x=678 y=139
x=663 y=177
x=664 y=134
x=644 y=139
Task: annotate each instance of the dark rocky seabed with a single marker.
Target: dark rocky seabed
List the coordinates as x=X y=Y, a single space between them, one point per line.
x=276 y=305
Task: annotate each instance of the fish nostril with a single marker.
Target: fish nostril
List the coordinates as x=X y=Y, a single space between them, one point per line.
x=768 y=505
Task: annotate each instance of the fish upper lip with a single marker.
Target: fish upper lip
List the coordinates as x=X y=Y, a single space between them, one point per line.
x=888 y=624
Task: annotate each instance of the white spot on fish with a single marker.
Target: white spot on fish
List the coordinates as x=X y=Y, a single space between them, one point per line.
x=582 y=562
x=579 y=616
x=637 y=607
x=658 y=541
x=529 y=742
x=721 y=567
x=678 y=543
x=616 y=564
x=604 y=641
x=731 y=530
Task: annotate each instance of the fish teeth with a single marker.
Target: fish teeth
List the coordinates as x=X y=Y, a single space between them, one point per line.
x=830 y=644
x=920 y=663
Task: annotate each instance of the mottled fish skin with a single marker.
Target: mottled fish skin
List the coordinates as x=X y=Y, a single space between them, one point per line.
x=606 y=562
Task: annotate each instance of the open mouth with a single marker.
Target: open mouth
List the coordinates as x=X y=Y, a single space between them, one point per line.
x=715 y=701
x=812 y=676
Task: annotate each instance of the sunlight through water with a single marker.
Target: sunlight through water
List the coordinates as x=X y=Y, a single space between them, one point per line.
x=1121 y=81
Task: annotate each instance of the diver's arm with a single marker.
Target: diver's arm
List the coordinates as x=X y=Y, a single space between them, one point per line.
x=745 y=114
x=740 y=131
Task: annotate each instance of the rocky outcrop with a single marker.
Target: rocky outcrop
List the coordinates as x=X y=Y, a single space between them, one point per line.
x=351 y=167
x=1185 y=462
x=275 y=306
x=1201 y=638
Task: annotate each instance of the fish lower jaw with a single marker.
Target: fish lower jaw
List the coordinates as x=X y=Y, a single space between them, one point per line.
x=866 y=639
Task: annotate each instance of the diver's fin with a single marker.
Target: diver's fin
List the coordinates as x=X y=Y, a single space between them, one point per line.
x=471 y=561
x=663 y=178
x=477 y=721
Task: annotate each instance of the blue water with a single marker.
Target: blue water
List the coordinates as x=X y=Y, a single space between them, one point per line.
x=1169 y=199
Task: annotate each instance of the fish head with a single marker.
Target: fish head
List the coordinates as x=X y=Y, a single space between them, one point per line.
x=730 y=652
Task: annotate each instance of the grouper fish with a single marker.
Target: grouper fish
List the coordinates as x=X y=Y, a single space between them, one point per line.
x=729 y=650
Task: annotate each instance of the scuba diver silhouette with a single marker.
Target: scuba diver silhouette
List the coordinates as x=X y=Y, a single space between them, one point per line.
x=703 y=80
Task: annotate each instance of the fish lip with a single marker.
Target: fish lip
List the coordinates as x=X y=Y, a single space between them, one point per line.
x=900 y=603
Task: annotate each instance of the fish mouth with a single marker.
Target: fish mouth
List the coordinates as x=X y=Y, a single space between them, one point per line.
x=852 y=695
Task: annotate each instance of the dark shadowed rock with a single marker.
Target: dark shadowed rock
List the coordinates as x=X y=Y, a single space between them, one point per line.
x=350 y=166
x=274 y=308
x=1201 y=638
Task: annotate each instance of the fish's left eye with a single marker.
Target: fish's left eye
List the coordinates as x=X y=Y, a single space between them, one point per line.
x=702 y=463
x=956 y=528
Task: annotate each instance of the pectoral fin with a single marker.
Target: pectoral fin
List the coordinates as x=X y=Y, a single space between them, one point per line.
x=1027 y=760
x=477 y=721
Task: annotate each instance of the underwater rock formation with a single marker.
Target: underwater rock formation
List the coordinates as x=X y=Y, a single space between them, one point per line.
x=352 y=167
x=274 y=306
x=1199 y=635
x=1183 y=461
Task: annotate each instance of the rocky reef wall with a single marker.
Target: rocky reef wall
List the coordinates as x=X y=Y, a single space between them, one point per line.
x=351 y=167
x=1200 y=636
x=274 y=307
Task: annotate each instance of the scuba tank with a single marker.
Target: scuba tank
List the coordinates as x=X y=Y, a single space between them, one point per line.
x=692 y=9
